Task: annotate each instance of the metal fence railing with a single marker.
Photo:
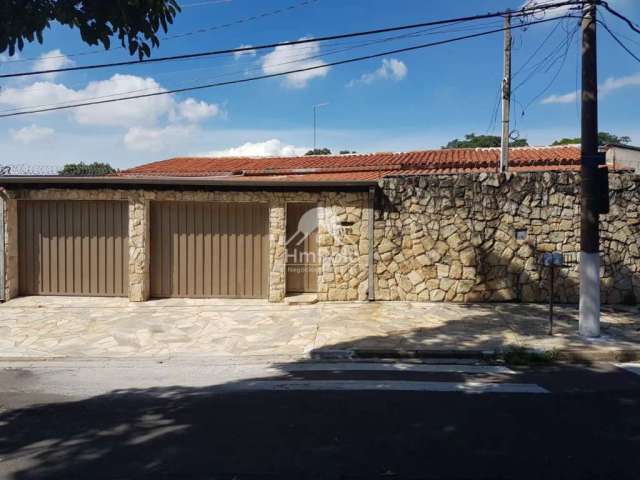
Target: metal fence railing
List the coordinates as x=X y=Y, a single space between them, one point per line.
x=76 y=170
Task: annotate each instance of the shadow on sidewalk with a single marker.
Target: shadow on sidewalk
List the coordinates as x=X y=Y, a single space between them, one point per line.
x=231 y=432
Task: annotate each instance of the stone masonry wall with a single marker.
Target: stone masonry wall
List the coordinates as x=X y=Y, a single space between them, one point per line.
x=11 y=285
x=342 y=244
x=453 y=237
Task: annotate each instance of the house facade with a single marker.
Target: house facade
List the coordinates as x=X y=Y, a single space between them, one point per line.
x=421 y=226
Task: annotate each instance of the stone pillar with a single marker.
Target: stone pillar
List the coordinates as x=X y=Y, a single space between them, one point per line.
x=139 y=241
x=277 y=252
x=11 y=285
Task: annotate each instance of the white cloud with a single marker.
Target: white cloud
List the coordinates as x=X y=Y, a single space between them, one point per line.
x=293 y=57
x=610 y=85
x=391 y=69
x=31 y=134
x=38 y=93
x=566 y=98
x=250 y=53
x=156 y=139
x=52 y=60
x=138 y=112
x=143 y=111
x=195 y=111
x=270 y=148
x=565 y=9
x=552 y=12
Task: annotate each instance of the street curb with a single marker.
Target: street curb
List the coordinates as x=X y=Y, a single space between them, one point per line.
x=565 y=355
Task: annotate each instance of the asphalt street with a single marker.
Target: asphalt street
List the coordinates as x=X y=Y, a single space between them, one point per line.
x=259 y=419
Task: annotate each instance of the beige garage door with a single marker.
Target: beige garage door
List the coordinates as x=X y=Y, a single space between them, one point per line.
x=201 y=249
x=73 y=248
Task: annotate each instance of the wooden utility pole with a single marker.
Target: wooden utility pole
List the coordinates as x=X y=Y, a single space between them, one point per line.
x=589 y=213
x=506 y=96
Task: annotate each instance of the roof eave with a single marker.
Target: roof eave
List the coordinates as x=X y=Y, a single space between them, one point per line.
x=150 y=181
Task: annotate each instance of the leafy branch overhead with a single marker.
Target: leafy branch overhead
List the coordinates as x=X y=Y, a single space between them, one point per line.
x=135 y=23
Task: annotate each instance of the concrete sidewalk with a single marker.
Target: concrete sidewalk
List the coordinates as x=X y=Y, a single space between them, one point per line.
x=63 y=327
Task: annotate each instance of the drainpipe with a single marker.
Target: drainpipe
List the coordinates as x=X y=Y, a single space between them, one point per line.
x=371 y=279
x=3 y=204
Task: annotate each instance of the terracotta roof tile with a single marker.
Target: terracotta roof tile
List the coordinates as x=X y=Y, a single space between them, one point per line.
x=372 y=166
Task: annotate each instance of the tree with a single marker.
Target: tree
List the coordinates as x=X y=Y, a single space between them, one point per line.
x=319 y=151
x=134 y=22
x=604 y=138
x=82 y=169
x=346 y=152
x=471 y=140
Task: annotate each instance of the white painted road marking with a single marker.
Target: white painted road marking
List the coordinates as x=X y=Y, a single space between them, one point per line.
x=630 y=367
x=381 y=385
x=394 y=367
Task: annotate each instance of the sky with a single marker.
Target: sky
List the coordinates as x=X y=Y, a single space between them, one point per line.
x=398 y=102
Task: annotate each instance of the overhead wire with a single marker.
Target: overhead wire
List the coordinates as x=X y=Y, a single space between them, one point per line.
x=622 y=17
x=562 y=60
x=350 y=46
x=289 y=43
x=180 y=35
x=619 y=42
x=279 y=74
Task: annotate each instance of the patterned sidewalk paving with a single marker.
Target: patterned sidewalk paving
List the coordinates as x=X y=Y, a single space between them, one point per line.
x=54 y=327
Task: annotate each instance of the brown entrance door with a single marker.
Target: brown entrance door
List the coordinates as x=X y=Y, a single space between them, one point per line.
x=302 y=248
x=202 y=249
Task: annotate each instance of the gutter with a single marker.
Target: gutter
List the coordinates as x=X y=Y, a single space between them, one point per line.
x=371 y=296
x=3 y=245
x=142 y=182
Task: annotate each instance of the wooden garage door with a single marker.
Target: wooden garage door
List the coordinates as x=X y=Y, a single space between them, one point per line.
x=201 y=249
x=73 y=247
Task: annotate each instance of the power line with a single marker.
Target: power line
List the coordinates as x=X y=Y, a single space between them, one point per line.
x=521 y=12
x=207 y=2
x=183 y=34
x=625 y=19
x=618 y=41
x=557 y=53
x=563 y=59
x=279 y=74
x=350 y=46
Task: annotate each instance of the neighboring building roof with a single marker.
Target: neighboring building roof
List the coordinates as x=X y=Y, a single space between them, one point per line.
x=358 y=167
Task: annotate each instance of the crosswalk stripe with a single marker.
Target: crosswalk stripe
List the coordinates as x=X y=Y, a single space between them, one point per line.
x=384 y=385
x=630 y=367
x=395 y=367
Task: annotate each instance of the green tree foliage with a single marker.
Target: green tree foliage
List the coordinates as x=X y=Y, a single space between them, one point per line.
x=346 y=152
x=604 y=138
x=134 y=22
x=319 y=151
x=472 y=140
x=82 y=169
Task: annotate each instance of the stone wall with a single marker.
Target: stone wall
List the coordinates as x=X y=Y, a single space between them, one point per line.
x=11 y=285
x=454 y=237
x=343 y=247
x=139 y=243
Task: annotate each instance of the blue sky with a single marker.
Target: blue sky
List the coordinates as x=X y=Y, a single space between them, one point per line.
x=401 y=102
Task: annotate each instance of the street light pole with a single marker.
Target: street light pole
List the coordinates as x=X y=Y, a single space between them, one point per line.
x=506 y=96
x=315 y=122
x=589 y=324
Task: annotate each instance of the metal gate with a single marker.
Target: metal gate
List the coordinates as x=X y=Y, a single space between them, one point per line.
x=203 y=249
x=73 y=247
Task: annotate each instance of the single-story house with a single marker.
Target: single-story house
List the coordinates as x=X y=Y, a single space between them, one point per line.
x=437 y=225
